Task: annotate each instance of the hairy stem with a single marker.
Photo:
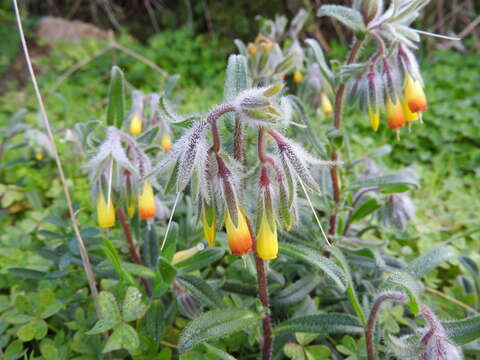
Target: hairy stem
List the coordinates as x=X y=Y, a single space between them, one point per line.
x=81 y=245
x=131 y=247
x=337 y=123
x=372 y=319
x=238 y=148
x=264 y=299
x=212 y=119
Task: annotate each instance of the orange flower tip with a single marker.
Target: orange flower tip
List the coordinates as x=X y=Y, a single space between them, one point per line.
x=239 y=237
x=395 y=118
x=414 y=94
x=166 y=143
x=146 y=202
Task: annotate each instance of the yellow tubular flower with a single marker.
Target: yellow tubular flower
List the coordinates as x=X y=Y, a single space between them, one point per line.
x=105 y=213
x=39 y=156
x=395 y=117
x=297 y=77
x=209 y=230
x=407 y=113
x=267 y=240
x=166 y=142
x=252 y=49
x=414 y=95
x=136 y=125
x=327 y=107
x=239 y=237
x=146 y=202
x=374 y=115
x=131 y=209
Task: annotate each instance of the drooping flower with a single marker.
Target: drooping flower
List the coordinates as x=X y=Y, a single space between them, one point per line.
x=325 y=103
x=407 y=113
x=105 y=212
x=239 y=237
x=395 y=116
x=136 y=125
x=297 y=77
x=186 y=254
x=209 y=224
x=166 y=142
x=267 y=240
x=414 y=95
x=146 y=202
x=374 y=115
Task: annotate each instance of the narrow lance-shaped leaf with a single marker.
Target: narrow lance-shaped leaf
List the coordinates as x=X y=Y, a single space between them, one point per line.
x=116 y=98
x=201 y=291
x=347 y=16
x=216 y=324
x=428 y=261
x=403 y=282
x=321 y=323
x=312 y=257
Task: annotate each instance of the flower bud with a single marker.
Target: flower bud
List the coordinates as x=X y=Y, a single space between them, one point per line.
x=239 y=237
x=146 y=202
x=136 y=125
x=374 y=115
x=267 y=240
x=395 y=116
x=131 y=209
x=414 y=95
x=39 y=156
x=252 y=49
x=105 y=212
x=166 y=142
x=327 y=107
x=186 y=254
x=209 y=224
x=297 y=77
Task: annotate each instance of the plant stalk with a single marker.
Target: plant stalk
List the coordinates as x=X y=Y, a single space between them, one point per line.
x=81 y=245
x=264 y=298
x=133 y=250
x=339 y=98
x=372 y=319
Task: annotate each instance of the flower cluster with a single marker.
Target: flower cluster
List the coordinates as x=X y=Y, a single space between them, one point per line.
x=219 y=182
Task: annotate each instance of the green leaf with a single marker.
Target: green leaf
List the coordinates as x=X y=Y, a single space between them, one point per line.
x=138 y=270
x=320 y=58
x=401 y=178
x=150 y=248
x=123 y=336
x=133 y=308
x=201 y=259
x=404 y=282
x=108 y=308
x=368 y=207
x=347 y=16
x=202 y=291
x=51 y=310
x=317 y=352
x=294 y=351
x=332 y=323
x=463 y=331
x=101 y=326
x=429 y=261
x=114 y=258
x=297 y=291
x=218 y=353
x=216 y=324
x=404 y=347
x=116 y=98
x=314 y=258
x=154 y=320
x=27 y=273
x=36 y=329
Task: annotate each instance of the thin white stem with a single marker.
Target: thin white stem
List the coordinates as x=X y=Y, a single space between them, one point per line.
x=83 y=251
x=170 y=221
x=313 y=210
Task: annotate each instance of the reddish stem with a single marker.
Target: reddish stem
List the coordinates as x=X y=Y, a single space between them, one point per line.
x=337 y=123
x=212 y=119
x=131 y=247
